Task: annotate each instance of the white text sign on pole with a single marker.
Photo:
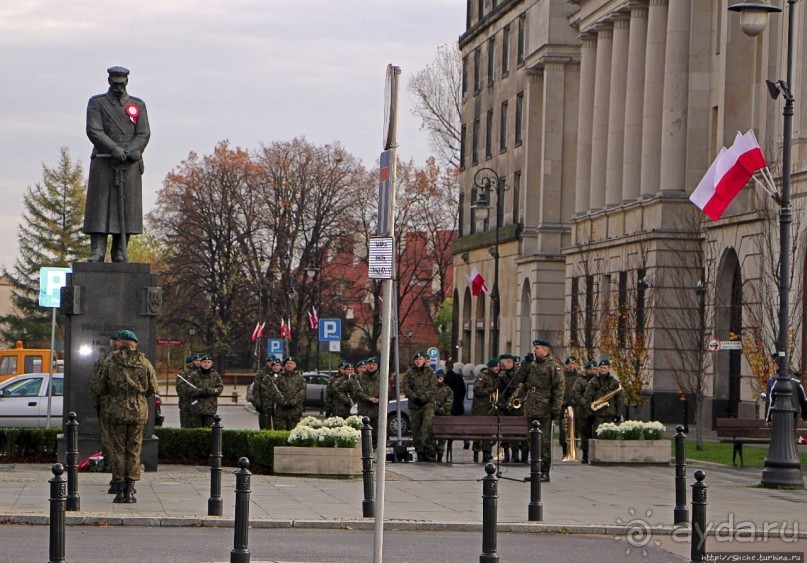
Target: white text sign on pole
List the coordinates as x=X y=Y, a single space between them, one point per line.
x=380 y=263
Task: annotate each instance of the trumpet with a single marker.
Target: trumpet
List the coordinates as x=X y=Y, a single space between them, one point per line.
x=602 y=402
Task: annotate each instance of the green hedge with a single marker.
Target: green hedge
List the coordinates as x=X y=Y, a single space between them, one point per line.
x=176 y=445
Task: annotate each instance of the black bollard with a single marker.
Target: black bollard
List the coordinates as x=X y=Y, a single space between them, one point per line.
x=73 y=499
x=58 y=500
x=214 y=503
x=536 y=507
x=490 y=497
x=698 y=551
x=368 y=504
x=680 y=512
x=240 y=551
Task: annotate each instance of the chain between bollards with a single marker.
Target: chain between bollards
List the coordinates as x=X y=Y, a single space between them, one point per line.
x=73 y=498
x=368 y=504
x=240 y=551
x=680 y=512
x=536 y=507
x=698 y=551
x=214 y=503
x=58 y=500
x=490 y=498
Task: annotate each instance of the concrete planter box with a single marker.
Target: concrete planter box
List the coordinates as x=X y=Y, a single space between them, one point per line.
x=630 y=451
x=330 y=462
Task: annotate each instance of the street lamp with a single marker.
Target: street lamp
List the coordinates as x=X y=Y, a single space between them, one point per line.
x=409 y=334
x=312 y=271
x=485 y=180
x=782 y=466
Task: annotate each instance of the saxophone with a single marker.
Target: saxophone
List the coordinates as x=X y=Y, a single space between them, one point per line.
x=602 y=402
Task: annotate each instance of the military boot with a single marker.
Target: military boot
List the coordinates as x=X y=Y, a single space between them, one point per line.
x=545 y=471
x=476 y=457
x=119 y=492
x=515 y=458
x=129 y=492
x=506 y=458
x=112 y=489
x=486 y=456
x=98 y=247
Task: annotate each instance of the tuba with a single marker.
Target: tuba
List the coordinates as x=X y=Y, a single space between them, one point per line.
x=571 y=438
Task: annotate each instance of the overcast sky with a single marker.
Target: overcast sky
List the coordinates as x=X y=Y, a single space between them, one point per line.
x=250 y=71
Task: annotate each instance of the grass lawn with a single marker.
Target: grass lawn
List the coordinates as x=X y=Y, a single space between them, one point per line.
x=753 y=454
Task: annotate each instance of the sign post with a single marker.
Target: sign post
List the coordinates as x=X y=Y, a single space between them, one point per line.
x=51 y=282
x=330 y=330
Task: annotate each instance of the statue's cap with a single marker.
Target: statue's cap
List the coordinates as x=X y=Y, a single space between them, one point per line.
x=118 y=73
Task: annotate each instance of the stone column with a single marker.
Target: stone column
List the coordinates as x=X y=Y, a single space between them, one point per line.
x=676 y=92
x=653 y=97
x=616 y=113
x=588 y=61
x=599 y=129
x=634 y=102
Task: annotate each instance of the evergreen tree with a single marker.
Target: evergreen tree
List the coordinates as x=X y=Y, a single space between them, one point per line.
x=49 y=236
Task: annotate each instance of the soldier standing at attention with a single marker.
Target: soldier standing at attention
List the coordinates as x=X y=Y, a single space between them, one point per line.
x=261 y=395
x=336 y=402
x=420 y=387
x=185 y=391
x=289 y=396
x=581 y=410
x=484 y=404
x=365 y=389
x=508 y=391
x=600 y=386
x=127 y=380
x=207 y=387
x=99 y=403
x=572 y=377
x=545 y=389
x=443 y=401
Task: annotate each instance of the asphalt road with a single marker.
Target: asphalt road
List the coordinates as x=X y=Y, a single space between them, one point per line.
x=156 y=545
x=233 y=416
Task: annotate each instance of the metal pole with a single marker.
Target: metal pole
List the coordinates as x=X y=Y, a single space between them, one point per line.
x=240 y=551
x=490 y=498
x=52 y=362
x=680 y=512
x=58 y=499
x=73 y=498
x=495 y=304
x=782 y=465
x=368 y=504
x=536 y=508
x=698 y=549
x=214 y=503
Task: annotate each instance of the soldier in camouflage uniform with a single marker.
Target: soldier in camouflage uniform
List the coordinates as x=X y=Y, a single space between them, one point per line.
x=288 y=393
x=337 y=400
x=443 y=401
x=545 y=387
x=420 y=387
x=185 y=391
x=599 y=386
x=508 y=390
x=365 y=389
x=261 y=399
x=572 y=376
x=206 y=386
x=99 y=403
x=581 y=410
x=484 y=404
x=127 y=379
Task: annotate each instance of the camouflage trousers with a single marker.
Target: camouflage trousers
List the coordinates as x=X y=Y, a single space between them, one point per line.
x=125 y=443
x=546 y=439
x=373 y=426
x=265 y=421
x=185 y=417
x=103 y=429
x=422 y=434
x=286 y=420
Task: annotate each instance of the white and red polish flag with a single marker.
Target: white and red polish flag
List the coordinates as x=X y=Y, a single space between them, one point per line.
x=283 y=332
x=258 y=332
x=477 y=282
x=727 y=175
x=313 y=318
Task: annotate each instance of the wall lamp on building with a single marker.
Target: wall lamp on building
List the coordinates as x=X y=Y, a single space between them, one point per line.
x=782 y=466
x=487 y=180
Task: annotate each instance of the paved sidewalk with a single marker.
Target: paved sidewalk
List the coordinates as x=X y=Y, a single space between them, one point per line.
x=580 y=498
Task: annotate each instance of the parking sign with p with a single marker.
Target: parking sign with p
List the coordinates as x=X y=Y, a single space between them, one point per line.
x=330 y=330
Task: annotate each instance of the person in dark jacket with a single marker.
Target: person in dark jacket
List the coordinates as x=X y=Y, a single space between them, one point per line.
x=455 y=381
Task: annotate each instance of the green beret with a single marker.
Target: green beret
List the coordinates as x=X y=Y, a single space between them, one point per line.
x=127 y=335
x=203 y=357
x=361 y=363
x=570 y=359
x=605 y=362
x=507 y=357
x=493 y=362
x=189 y=359
x=343 y=364
x=541 y=342
x=418 y=354
x=372 y=359
x=113 y=336
x=270 y=357
x=289 y=359
x=591 y=364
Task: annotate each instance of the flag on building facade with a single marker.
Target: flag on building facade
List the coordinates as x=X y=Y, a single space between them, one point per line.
x=477 y=282
x=728 y=174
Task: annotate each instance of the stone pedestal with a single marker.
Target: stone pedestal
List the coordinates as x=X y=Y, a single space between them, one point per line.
x=100 y=299
x=325 y=462
x=656 y=452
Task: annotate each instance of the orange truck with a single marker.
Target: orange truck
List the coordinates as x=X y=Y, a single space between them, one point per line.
x=19 y=360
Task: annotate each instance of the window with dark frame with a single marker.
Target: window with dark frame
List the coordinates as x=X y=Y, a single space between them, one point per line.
x=475 y=142
x=516 y=197
x=622 y=303
x=477 y=70
x=464 y=76
x=519 y=116
x=489 y=134
x=503 y=127
x=480 y=10
x=588 y=329
x=522 y=37
x=506 y=50
x=491 y=60
x=574 y=311
x=463 y=136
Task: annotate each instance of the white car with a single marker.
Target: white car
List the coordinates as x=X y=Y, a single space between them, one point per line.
x=24 y=401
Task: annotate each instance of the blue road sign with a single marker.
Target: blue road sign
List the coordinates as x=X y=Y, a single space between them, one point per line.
x=51 y=281
x=274 y=346
x=434 y=355
x=330 y=330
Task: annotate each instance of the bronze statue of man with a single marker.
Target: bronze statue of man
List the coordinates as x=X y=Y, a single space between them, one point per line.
x=118 y=127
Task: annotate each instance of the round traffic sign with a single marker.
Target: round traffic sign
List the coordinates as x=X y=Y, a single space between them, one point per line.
x=713 y=345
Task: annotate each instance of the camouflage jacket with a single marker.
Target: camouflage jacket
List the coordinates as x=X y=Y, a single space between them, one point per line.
x=598 y=387
x=362 y=389
x=260 y=396
x=98 y=401
x=184 y=390
x=570 y=379
x=291 y=386
x=420 y=387
x=544 y=387
x=508 y=387
x=127 y=378
x=205 y=398
x=331 y=397
x=577 y=396
x=485 y=384
x=443 y=399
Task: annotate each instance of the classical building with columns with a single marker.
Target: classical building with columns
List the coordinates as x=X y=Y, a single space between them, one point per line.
x=598 y=119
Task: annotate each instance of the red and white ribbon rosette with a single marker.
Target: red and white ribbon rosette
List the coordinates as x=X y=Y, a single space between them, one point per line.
x=132 y=111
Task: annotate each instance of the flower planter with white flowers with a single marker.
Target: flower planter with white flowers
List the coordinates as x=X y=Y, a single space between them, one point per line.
x=630 y=442
x=327 y=447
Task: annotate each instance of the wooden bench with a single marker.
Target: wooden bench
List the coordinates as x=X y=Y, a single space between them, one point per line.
x=739 y=431
x=506 y=428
